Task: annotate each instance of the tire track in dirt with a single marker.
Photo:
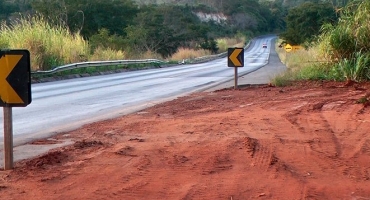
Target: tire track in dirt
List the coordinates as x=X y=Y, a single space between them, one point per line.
x=263 y=156
x=217 y=162
x=354 y=157
x=326 y=133
x=221 y=170
x=151 y=172
x=312 y=122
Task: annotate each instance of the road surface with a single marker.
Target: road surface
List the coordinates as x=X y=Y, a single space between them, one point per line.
x=68 y=104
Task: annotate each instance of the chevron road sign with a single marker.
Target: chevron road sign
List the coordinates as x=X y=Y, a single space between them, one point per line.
x=235 y=57
x=15 y=91
x=15 y=78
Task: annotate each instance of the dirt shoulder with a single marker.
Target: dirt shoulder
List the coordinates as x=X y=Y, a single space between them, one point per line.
x=308 y=141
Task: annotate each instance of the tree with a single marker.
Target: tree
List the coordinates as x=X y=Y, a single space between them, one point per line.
x=2 y=9
x=163 y=29
x=6 y=9
x=150 y=33
x=276 y=15
x=304 y=22
x=249 y=15
x=89 y=16
x=105 y=40
x=55 y=11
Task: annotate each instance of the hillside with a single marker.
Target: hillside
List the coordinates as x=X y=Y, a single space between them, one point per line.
x=218 y=3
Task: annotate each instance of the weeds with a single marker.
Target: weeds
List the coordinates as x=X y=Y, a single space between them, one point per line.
x=106 y=54
x=363 y=100
x=347 y=44
x=185 y=53
x=224 y=43
x=357 y=68
x=342 y=50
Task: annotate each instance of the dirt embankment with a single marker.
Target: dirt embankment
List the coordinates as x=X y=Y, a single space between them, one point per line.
x=308 y=141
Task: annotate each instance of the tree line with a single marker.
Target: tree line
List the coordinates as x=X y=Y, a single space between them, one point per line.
x=139 y=26
x=133 y=27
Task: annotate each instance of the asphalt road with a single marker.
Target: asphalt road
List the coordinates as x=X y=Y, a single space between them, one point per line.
x=66 y=105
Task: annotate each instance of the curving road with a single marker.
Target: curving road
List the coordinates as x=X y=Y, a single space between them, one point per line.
x=65 y=105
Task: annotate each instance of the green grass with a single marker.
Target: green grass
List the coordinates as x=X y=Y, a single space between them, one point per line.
x=341 y=51
x=302 y=64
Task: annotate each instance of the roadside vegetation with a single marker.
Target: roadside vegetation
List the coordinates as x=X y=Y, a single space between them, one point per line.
x=48 y=45
x=333 y=34
x=68 y=31
x=341 y=52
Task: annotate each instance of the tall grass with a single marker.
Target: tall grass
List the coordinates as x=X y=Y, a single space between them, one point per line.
x=300 y=58
x=357 y=69
x=185 y=53
x=343 y=50
x=224 y=43
x=146 y=55
x=347 y=44
x=49 y=45
x=303 y=64
x=106 y=54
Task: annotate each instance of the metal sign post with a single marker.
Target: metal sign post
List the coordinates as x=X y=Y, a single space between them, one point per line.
x=8 y=138
x=236 y=78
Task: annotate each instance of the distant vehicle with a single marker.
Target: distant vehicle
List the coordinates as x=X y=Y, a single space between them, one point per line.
x=264 y=46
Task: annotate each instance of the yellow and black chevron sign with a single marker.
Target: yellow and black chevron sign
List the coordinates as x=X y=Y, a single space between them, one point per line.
x=15 y=78
x=235 y=57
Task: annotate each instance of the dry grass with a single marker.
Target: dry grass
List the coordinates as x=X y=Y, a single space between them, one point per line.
x=301 y=64
x=106 y=54
x=185 y=53
x=222 y=43
x=225 y=43
x=298 y=58
x=49 y=45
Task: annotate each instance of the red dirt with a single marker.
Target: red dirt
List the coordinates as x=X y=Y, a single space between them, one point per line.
x=308 y=141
